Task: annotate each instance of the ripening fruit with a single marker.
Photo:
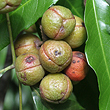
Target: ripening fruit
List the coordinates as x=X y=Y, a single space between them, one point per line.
x=55 y=88
x=28 y=69
x=78 y=68
x=58 y=22
x=8 y=5
x=27 y=43
x=55 y=55
x=78 y=35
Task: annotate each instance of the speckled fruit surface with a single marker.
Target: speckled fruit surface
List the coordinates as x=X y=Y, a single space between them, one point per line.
x=78 y=68
x=55 y=55
x=55 y=88
x=28 y=69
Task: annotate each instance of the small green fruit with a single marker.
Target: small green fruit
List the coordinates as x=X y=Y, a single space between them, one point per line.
x=55 y=88
x=8 y=5
x=58 y=22
x=28 y=69
x=31 y=29
x=78 y=36
x=27 y=43
x=55 y=55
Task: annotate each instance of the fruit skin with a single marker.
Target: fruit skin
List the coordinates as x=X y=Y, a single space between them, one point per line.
x=78 y=68
x=31 y=29
x=55 y=55
x=55 y=88
x=28 y=69
x=8 y=5
x=27 y=43
x=58 y=22
x=78 y=35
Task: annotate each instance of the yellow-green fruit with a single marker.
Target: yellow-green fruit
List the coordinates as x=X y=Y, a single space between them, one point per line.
x=55 y=55
x=55 y=88
x=28 y=69
x=8 y=5
x=78 y=36
x=58 y=22
x=31 y=29
x=27 y=43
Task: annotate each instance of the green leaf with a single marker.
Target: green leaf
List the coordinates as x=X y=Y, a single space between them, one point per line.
x=70 y=104
x=97 y=20
x=76 y=6
x=22 y=18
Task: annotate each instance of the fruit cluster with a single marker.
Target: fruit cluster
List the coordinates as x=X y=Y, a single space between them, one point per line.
x=53 y=63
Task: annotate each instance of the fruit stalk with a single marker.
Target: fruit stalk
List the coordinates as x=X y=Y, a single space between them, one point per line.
x=11 y=38
x=14 y=57
x=6 y=69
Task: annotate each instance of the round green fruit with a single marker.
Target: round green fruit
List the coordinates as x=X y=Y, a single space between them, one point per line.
x=55 y=55
x=28 y=69
x=58 y=22
x=55 y=88
x=8 y=5
x=78 y=36
x=27 y=43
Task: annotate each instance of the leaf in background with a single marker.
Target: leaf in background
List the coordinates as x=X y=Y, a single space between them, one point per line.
x=70 y=104
x=76 y=6
x=97 y=20
x=22 y=18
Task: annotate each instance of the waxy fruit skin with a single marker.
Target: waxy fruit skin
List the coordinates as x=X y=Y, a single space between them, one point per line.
x=28 y=69
x=26 y=43
x=78 y=68
x=55 y=88
x=58 y=22
x=8 y=5
x=78 y=35
x=55 y=55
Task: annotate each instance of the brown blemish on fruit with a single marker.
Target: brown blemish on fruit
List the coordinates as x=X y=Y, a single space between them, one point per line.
x=62 y=29
x=74 y=61
x=57 y=53
x=30 y=59
x=38 y=43
x=24 y=77
x=78 y=61
x=79 y=55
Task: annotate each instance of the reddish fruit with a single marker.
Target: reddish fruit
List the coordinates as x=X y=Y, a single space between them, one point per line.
x=78 y=68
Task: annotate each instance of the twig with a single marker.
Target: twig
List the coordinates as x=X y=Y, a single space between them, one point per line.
x=14 y=57
x=6 y=69
x=11 y=38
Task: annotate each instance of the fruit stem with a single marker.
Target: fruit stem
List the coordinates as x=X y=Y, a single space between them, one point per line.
x=14 y=57
x=20 y=96
x=11 y=38
x=6 y=69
